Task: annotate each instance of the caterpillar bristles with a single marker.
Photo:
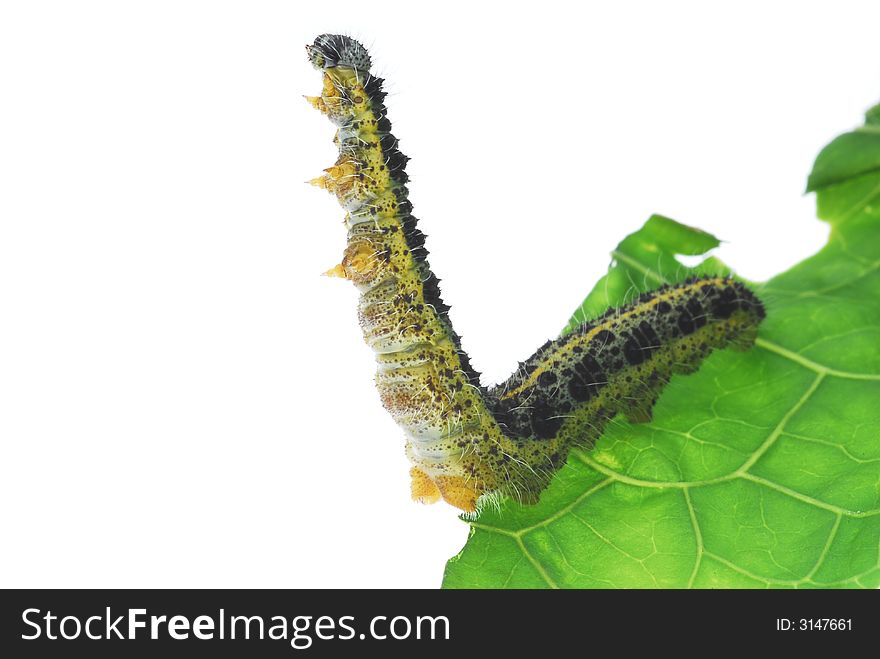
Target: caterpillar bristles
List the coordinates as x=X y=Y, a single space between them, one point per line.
x=470 y=445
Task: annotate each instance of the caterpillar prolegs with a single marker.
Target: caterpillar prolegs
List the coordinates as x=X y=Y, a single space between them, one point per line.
x=468 y=443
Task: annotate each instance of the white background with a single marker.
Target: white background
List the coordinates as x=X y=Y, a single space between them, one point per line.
x=184 y=401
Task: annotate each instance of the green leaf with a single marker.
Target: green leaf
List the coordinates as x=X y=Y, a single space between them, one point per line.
x=760 y=470
x=655 y=244
x=849 y=156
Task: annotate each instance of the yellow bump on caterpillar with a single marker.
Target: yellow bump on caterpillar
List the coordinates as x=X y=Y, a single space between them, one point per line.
x=318 y=103
x=469 y=445
x=336 y=271
x=424 y=490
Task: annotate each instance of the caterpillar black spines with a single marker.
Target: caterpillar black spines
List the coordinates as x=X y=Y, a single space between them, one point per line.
x=468 y=444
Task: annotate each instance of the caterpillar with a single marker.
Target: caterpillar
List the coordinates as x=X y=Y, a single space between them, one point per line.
x=469 y=444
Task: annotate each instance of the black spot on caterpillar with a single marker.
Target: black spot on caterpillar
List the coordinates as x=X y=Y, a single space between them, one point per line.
x=468 y=444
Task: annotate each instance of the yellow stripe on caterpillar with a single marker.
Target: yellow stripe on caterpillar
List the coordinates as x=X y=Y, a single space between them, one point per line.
x=662 y=298
x=619 y=363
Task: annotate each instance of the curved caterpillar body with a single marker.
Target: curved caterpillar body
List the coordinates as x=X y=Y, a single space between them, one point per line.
x=467 y=443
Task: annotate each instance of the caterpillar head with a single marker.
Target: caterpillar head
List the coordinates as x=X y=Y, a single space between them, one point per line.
x=331 y=50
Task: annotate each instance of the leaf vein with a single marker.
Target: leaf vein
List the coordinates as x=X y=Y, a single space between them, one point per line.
x=698 y=537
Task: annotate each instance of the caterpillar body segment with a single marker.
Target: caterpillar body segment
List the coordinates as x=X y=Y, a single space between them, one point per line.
x=570 y=388
x=466 y=443
x=424 y=378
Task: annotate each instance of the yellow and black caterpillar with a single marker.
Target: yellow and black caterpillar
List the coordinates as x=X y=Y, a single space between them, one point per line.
x=468 y=443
